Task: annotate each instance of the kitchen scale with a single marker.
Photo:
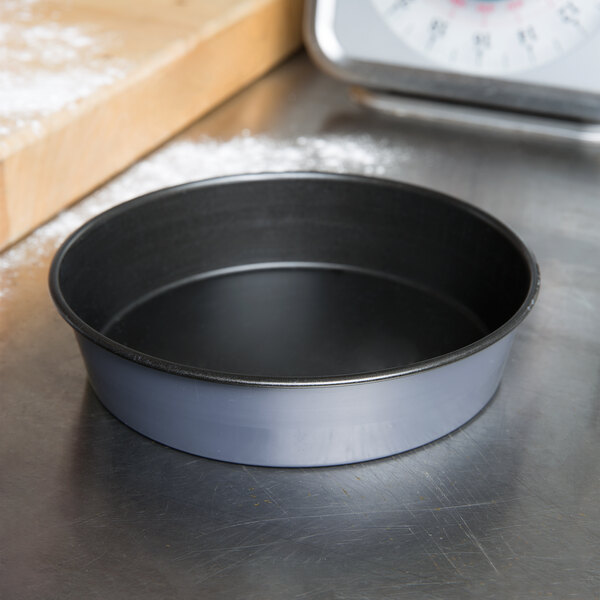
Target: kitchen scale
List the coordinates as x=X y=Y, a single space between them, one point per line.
x=515 y=65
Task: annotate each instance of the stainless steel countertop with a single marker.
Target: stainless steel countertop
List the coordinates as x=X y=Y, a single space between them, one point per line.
x=505 y=507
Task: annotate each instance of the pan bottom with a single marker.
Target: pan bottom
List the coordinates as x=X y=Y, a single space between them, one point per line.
x=289 y=320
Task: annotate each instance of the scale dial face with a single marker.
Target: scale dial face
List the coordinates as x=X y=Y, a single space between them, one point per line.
x=491 y=36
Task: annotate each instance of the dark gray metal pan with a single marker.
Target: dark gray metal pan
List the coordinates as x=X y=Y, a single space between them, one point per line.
x=294 y=319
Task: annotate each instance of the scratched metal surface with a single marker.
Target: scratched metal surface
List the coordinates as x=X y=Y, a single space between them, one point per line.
x=505 y=507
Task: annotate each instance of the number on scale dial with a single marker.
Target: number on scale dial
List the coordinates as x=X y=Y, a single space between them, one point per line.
x=491 y=36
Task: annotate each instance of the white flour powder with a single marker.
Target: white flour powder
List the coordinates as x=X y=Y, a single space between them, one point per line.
x=182 y=161
x=47 y=66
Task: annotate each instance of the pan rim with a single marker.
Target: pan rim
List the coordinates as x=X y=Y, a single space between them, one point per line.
x=157 y=363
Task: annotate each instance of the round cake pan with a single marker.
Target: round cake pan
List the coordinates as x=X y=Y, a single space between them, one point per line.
x=295 y=319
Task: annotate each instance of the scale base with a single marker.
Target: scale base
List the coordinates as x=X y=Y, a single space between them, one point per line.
x=475 y=117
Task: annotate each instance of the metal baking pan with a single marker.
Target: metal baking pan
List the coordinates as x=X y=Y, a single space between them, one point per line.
x=294 y=319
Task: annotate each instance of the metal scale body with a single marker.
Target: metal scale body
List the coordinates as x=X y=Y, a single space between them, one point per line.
x=530 y=65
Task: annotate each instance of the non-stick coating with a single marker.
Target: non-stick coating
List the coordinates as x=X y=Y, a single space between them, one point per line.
x=297 y=277
x=301 y=321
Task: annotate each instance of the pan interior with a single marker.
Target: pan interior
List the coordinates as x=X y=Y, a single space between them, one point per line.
x=295 y=321
x=291 y=276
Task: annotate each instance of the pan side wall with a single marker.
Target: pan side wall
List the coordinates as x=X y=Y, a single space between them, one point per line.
x=298 y=426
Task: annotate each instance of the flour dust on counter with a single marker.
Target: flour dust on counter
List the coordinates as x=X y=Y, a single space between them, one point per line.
x=48 y=64
x=189 y=160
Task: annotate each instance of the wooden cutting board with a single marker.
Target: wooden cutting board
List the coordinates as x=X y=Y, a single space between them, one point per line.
x=88 y=86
